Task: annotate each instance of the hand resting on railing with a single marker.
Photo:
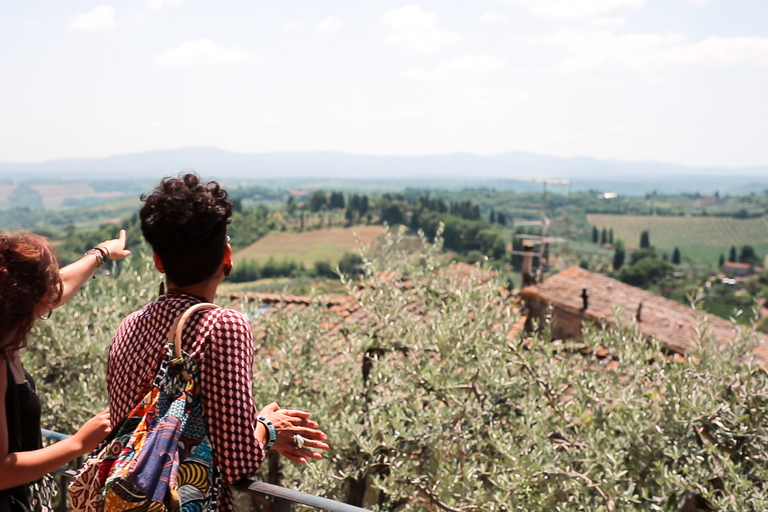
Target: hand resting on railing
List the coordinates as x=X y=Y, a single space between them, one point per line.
x=290 y=422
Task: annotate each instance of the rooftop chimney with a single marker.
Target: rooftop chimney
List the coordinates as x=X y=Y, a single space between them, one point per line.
x=528 y=277
x=585 y=298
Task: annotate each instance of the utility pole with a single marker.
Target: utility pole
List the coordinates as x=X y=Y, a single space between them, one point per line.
x=543 y=239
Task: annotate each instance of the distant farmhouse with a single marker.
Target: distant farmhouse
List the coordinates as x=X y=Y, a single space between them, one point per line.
x=734 y=269
x=576 y=296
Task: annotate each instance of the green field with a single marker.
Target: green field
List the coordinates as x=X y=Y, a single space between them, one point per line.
x=310 y=246
x=700 y=238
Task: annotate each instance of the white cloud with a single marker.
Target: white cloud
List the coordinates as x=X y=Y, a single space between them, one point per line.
x=100 y=18
x=700 y=3
x=601 y=12
x=643 y=51
x=476 y=92
x=481 y=97
x=404 y=114
x=576 y=8
x=330 y=24
x=159 y=4
x=718 y=51
x=468 y=64
x=201 y=52
x=414 y=28
x=493 y=17
x=603 y=83
x=293 y=24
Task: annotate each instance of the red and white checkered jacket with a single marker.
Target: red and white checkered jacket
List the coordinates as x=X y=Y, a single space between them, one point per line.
x=220 y=340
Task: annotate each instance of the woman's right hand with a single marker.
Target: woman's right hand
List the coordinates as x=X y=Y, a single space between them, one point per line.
x=116 y=247
x=94 y=431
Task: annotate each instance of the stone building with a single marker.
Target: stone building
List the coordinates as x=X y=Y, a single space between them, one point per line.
x=575 y=296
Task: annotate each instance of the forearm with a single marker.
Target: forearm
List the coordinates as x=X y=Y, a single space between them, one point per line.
x=24 y=467
x=74 y=275
x=262 y=434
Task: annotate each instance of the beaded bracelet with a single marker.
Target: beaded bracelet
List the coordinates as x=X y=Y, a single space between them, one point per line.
x=271 y=428
x=101 y=254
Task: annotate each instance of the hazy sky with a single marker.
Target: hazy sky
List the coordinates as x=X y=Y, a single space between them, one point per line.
x=682 y=81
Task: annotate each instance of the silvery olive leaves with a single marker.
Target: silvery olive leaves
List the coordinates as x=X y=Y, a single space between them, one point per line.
x=432 y=399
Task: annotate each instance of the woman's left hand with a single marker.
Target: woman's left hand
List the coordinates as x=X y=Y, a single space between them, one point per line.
x=290 y=422
x=116 y=247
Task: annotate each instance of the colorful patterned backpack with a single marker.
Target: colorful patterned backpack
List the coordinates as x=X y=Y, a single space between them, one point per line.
x=160 y=458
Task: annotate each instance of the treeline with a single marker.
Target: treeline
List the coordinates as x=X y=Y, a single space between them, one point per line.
x=250 y=224
x=747 y=254
x=248 y=270
x=465 y=229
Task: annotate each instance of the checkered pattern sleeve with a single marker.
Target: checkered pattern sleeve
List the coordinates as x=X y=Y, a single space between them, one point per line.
x=226 y=383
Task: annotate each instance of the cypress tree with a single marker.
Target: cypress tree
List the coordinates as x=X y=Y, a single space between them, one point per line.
x=645 y=240
x=619 y=255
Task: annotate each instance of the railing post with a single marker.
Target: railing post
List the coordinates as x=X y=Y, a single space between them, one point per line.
x=274 y=477
x=62 y=494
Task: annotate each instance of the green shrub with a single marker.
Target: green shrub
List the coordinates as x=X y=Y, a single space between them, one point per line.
x=430 y=405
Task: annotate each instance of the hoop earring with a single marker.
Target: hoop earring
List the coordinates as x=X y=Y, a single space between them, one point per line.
x=46 y=317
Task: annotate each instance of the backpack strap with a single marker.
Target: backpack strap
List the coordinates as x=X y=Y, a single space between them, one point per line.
x=174 y=335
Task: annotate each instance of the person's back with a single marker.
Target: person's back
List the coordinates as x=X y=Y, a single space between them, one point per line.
x=185 y=222
x=220 y=341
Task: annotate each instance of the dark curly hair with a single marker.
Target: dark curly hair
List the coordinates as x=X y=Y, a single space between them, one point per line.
x=185 y=222
x=29 y=272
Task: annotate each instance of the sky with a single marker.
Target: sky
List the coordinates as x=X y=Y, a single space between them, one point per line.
x=680 y=81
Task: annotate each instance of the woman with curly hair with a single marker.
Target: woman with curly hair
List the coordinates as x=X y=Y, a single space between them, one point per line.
x=185 y=221
x=31 y=286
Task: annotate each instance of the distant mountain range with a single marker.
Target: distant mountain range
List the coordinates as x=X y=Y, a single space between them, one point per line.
x=461 y=169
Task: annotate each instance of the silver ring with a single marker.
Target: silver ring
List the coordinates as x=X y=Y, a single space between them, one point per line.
x=298 y=441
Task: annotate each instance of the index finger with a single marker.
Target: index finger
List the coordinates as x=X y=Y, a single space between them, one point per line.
x=122 y=236
x=296 y=413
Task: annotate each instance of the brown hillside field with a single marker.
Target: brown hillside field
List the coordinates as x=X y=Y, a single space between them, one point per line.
x=55 y=194
x=310 y=246
x=5 y=192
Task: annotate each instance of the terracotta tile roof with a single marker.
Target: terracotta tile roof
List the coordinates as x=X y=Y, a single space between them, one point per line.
x=733 y=264
x=341 y=312
x=672 y=323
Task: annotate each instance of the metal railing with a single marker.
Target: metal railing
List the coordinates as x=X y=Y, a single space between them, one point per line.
x=281 y=498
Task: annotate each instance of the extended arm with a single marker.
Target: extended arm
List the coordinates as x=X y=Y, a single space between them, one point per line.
x=75 y=274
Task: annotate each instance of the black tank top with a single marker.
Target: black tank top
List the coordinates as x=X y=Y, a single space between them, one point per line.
x=30 y=410
x=29 y=415
x=22 y=412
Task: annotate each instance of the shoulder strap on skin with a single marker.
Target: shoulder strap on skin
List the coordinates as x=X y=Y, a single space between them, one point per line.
x=14 y=442
x=174 y=335
x=12 y=406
